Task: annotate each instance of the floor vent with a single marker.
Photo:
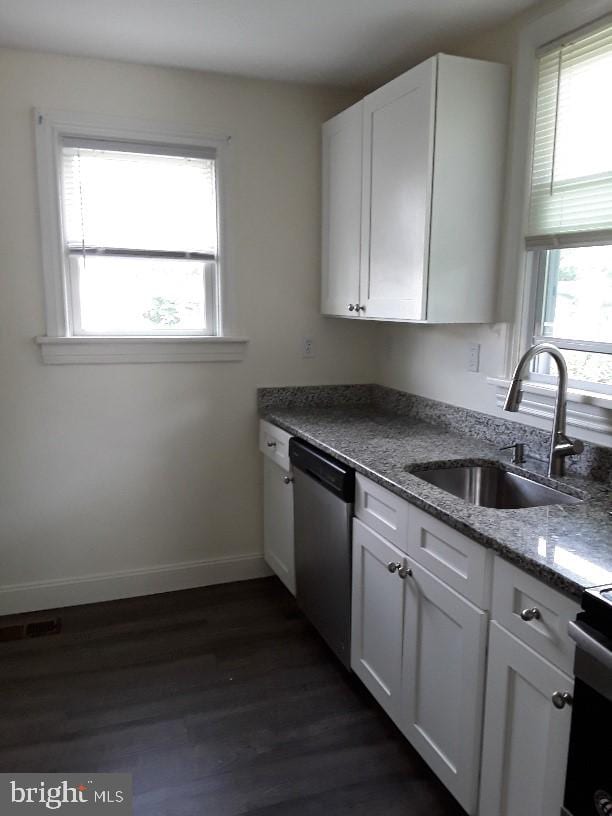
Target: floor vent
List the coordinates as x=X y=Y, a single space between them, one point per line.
x=18 y=631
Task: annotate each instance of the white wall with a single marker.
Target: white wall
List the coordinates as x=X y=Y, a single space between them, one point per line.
x=112 y=468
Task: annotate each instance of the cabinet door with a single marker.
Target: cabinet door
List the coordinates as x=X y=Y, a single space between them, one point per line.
x=443 y=681
x=377 y=617
x=341 y=227
x=397 y=176
x=278 y=523
x=525 y=737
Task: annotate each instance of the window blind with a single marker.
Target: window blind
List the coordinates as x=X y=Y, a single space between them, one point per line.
x=571 y=179
x=121 y=201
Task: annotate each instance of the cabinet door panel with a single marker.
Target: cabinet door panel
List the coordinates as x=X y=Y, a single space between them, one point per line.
x=442 y=681
x=397 y=174
x=278 y=523
x=341 y=251
x=377 y=617
x=525 y=737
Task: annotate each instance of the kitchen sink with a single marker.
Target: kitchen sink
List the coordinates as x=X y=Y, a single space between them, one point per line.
x=491 y=486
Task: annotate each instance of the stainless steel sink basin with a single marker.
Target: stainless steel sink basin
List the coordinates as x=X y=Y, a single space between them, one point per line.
x=490 y=486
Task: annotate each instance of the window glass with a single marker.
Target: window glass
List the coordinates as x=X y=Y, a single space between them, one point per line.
x=141 y=295
x=578 y=294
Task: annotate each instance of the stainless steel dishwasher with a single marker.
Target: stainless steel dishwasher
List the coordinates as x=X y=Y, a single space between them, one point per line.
x=323 y=494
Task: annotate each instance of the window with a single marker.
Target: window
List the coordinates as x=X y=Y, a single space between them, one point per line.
x=570 y=213
x=140 y=239
x=574 y=297
x=132 y=260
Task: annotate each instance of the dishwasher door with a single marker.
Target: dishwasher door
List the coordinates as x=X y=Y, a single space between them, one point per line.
x=323 y=557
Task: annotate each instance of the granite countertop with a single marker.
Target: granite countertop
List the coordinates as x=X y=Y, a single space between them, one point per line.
x=567 y=546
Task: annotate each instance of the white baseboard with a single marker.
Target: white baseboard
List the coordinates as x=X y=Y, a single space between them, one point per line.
x=37 y=595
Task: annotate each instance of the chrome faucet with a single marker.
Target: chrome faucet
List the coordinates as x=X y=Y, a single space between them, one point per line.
x=560 y=445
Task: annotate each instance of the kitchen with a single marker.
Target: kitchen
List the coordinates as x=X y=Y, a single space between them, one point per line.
x=377 y=255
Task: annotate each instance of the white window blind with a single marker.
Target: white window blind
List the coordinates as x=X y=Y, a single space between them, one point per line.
x=122 y=202
x=571 y=182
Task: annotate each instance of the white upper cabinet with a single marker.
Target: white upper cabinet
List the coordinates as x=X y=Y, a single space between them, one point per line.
x=398 y=127
x=341 y=250
x=431 y=169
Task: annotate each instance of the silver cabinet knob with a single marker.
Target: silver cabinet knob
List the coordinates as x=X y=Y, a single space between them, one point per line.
x=351 y=307
x=562 y=698
x=531 y=614
x=271 y=444
x=287 y=479
x=395 y=566
x=360 y=307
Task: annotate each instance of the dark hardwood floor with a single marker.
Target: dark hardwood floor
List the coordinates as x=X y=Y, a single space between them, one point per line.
x=220 y=701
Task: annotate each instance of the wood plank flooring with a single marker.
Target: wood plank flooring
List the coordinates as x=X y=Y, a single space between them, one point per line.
x=220 y=701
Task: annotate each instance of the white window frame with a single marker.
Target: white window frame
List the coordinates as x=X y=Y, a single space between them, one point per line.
x=589 y=410
x=61 y=344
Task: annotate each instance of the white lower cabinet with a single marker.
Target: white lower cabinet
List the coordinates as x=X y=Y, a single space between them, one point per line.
x=525 y=736
x=377 y=617
x=419 y=647
x=443 y=669
x=278 y=522
x=419 y=644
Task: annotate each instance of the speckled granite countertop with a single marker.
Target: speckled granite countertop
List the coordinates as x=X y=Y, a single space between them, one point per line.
x=567 y=546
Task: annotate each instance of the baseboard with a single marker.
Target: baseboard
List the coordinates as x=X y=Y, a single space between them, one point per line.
x=129 y=583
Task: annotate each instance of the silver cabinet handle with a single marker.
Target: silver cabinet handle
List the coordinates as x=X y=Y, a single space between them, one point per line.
x=393 y=567
x=287 y=479
x=405 y=572
x=360 y=307
x=531 y=614
x=271 y=444
x=351 y=308
x=562 y=698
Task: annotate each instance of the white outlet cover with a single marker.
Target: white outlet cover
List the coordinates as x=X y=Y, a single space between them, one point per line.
x=308 y=349
x=474 y=357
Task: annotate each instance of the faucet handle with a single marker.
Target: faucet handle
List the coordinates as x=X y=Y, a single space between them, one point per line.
x=518 y=457
x=569 y=447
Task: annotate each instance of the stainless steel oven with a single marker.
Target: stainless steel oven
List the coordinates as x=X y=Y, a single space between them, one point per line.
x=588 y=787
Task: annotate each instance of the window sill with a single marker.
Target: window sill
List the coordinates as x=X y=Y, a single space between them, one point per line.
x=586 y=410
x=87 y=350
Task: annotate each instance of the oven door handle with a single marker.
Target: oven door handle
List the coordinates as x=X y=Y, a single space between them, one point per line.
x=589 y=644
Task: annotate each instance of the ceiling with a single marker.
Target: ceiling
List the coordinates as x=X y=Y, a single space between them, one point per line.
x=343 y=42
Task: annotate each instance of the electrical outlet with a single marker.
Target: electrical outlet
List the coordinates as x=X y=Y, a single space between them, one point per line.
x=474 y=357
x=308 y=347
